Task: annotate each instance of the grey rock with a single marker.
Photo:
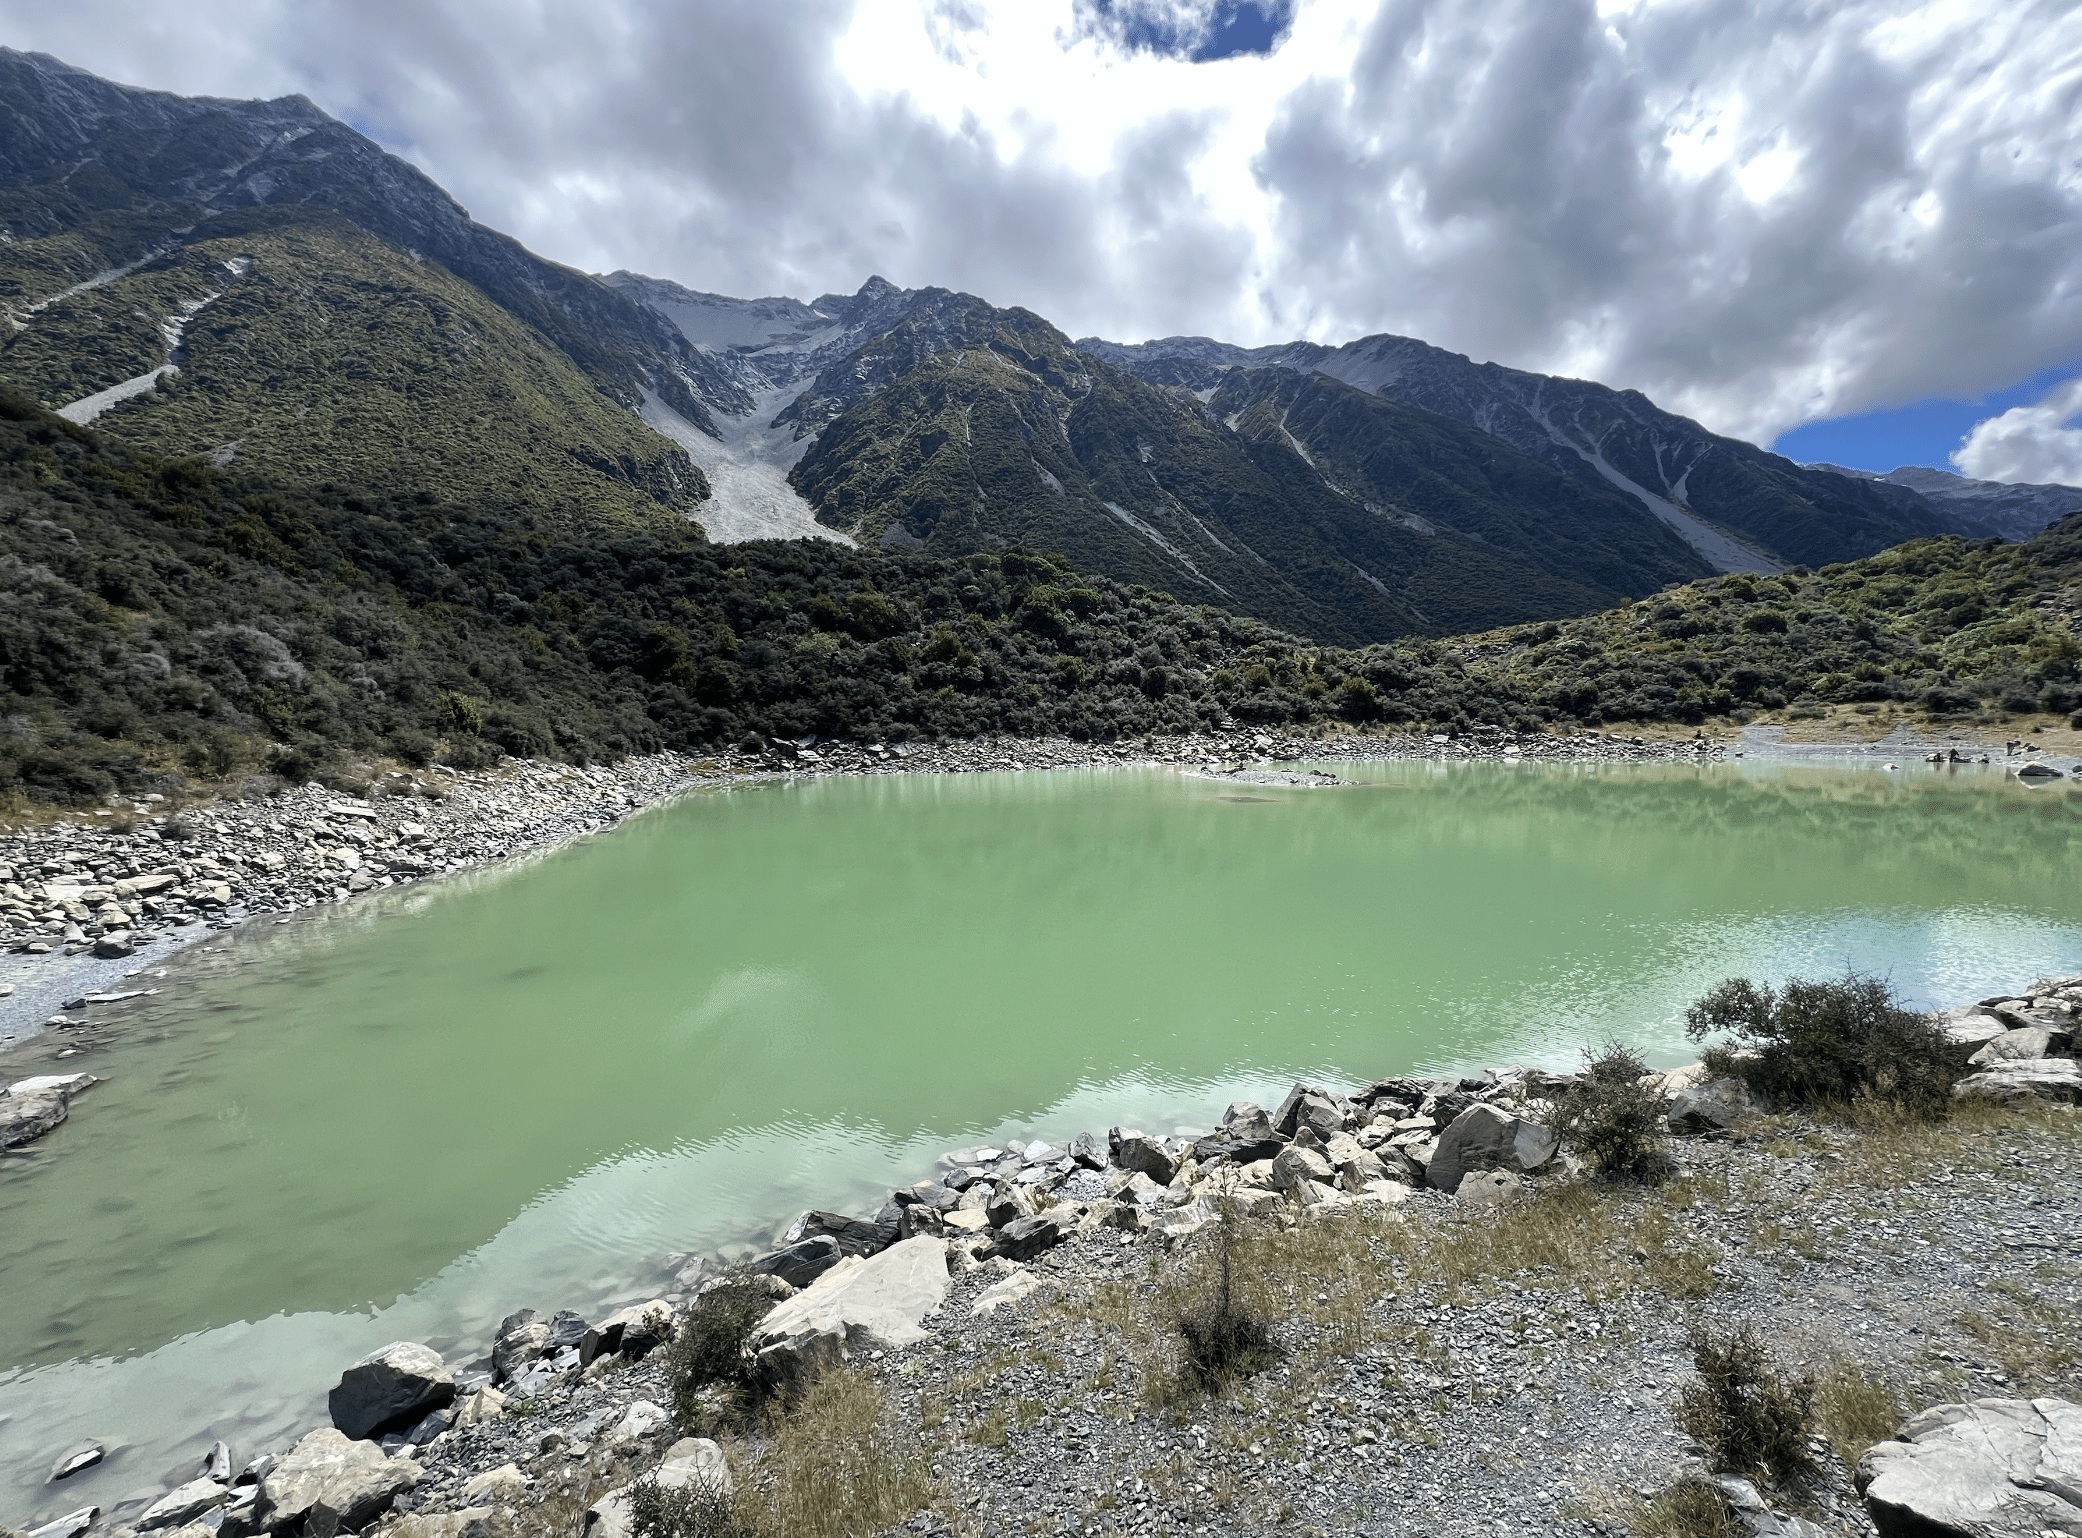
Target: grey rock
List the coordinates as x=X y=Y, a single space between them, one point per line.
x=1088 y=1151
x=329 y=1481
x=874 y=1304
x=1246 y=1122
x=254 y=1472
x=390 y=1390
x=1308 y=1106
x=81 y=1455
x=633 y=1332
x=25 y=1118
x=1009 y=1203
x=1989 y=1469
x=519 y=1341
x=800 y=1264
x=182 y=1505
x=1718 y=1105
x=1298 y=1167
x=2054 y=1079
x=1236 y=1150
x=1968 y=1031
x=1482 y=1138
x=1753 y=1514
x=71 y=1525
x=216 y=1463
x=854 y=1236
x=1024 y=1238
x=566 y=1330
x=2021 y=1044
x=470 y=1522
x=1143 y=1154
x=114 y=947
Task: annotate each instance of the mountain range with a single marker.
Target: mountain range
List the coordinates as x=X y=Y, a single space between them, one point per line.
x=258 y=284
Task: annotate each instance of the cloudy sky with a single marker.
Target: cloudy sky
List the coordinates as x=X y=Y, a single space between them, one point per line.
x=1764 y=213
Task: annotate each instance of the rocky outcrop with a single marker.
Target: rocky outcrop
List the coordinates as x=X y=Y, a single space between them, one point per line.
x=859 y=1305
x=1714 y=1106
x=391 y=1390
x=1994 y=1468
x=328 y=1481
x=1485 y=1137
x=2057 y=1080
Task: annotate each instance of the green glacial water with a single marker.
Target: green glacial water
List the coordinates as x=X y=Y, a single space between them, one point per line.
x=531 y=1086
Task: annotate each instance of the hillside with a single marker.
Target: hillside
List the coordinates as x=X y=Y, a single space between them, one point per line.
x=1739 y=507
x=166 y=620
x=345 y=321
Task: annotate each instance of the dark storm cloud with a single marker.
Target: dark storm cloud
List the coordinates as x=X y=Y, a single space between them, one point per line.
x=1759 y=211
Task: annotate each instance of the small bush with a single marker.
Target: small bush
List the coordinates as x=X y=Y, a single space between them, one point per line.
x=1828 y=1043
x=1614 y=1121
x=1751 y=1421
x=694 y=1510
x=1225 y=1338
x=707 y=1352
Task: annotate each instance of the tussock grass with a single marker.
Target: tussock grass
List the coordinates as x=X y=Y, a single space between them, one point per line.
x=1690 y=1508
x=1856 y=1409
x=838 y=1464
x=1752 y=1420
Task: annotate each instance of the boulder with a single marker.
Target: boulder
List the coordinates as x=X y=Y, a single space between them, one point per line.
x=182 y=1505
x=1088 y=1151
x=2019 y=1045
x=641 y=1419
x=859 y=1305
x=1718 y=1105
x=1237 y=1150
x=1967 y=1032
x=919 y=1220
x=25 y=1118
x=1356 y=1167
x=81 y=1455
x=519 y=1342
x=688 y=1462
x=2055 y=1079
x=1307 y=1106
x=1142 y=1154
x=1482 y=1137
x=1008 y=1204
x=1015 y=1288
x=484 y=1405
x=1137 y=1188
x=1246 y=1122
x=566 y=1329
x=1485 y=1188
x=504 y=1483
x=1399 y=1094
x=216 y=1463
x=1297 y=1168
x=1172 y=1227
x=801 y=1263
x=1989 y=1469
x=391 y=1390
x=633 y=1332
x=1025 y=1238
x=1753 y=1514
x=854 y=1236
x=329 y=1481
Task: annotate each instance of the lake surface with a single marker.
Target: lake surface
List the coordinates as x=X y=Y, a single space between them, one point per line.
x=404 y=1118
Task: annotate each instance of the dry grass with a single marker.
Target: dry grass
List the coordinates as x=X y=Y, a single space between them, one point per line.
x=1855 y=1409
x=2035 y=1344
x=1691 y=1508
x=838 y=1465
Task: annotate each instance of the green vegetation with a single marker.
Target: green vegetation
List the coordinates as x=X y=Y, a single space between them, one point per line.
x=1225 y=1338
x=331 y=358
x=1752 y=1421
x=1856 y=1409
x=1828 y=1044
x=1618 y=1124
x=1945 y=626
x=1013 y=436
x=705 y=1360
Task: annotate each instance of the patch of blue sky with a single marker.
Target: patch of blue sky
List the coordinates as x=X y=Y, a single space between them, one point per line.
x=1923 y=433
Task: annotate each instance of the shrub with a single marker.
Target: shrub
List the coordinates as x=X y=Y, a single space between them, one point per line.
x=1828 y=1043
x=1225 y=1338
x=697 y=1509
x=1751 y=1421
x=1612 y=1119
x=707 y=1351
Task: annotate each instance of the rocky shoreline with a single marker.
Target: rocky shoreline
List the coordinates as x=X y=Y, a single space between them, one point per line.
x=996 y=1299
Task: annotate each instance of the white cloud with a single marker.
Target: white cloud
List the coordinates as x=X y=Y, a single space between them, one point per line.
x=1759 y=211
x=2039 y=444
